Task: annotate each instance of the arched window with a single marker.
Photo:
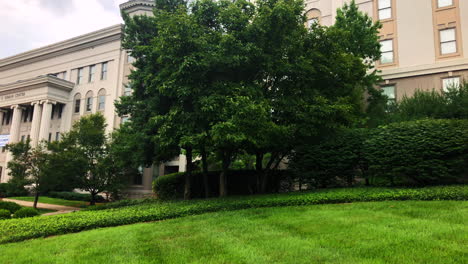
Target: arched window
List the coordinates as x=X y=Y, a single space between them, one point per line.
x=89 y=101
x=77 y=102
x=102 y=99
x=313 y=16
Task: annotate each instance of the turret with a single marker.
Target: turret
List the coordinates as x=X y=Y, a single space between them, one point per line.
x=138 y=7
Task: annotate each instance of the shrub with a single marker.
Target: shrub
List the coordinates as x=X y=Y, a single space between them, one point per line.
x=26 y=212
x=240 y=182
x=11 y=190
x=73 y=196
x=10 y=206
x=337 y=161
x=424 y=152
x=4 y=214
x=22 y=229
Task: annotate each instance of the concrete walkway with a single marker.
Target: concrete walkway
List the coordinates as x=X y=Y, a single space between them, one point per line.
x=59 y=208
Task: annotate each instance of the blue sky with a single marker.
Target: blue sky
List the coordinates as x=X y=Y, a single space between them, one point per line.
x=30 y=24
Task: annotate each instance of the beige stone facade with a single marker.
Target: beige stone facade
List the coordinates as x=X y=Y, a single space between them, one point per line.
x=424 y=41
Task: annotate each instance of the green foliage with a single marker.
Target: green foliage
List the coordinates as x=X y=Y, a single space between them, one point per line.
x=336 y=161
x=420 y=152
x=5 y=214
x=73 y=196
x=25 y=212
x=12 y=188
x=22 y=229
x=10 y=206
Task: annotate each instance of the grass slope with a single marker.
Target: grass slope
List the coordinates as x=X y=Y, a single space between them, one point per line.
x=49 y=200
x=153 y=210
x=376 y=232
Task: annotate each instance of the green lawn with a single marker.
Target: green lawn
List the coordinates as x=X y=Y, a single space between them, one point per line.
x=49 y=200
x=375 y=232
x=45 y=211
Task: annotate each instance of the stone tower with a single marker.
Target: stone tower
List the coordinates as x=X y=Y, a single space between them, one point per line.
x=138 y=7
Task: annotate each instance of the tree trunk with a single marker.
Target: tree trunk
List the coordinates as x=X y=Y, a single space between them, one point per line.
x=93 y=198
x=223 y=176
x=36 y=199
x=205 y=172
x=259 y=170
x=188 y=174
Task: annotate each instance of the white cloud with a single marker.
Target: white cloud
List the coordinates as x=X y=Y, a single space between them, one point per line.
x=30 y=24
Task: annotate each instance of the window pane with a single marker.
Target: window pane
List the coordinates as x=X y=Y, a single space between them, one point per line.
x=77 y=105
x=443 y=3
x=102 y=102
x=385 y=13
x=387 y=45
x=389 y=91
x=92 y=69
x=450 y=83
x=312 y=21
x=387 y=57
x=448 y=47
x=447 y=35
x=385 y=4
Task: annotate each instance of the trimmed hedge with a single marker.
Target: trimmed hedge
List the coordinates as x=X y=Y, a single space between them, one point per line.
x=4 y=214
x=10 y=206
x=240 y=182
x=424 y=152
x=25 y=212
x=73 y=196
x=22 y=229
x=11 y=190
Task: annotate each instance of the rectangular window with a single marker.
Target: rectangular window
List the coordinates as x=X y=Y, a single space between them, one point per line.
x=389 y=91
x=387 y=51
x=444 y=3
x=102 y=102
x=57 y=136
x=448 y=42
x=22 y=138
x=450 y=83
x=50 y=137
x=130 y=59
x=128 y=90
x=385 y=9
x=60 y=111
x=79 y=77
x=89 y=104
x=92 y=70
x=104 y=71
x=77 y=105
x=53 y=112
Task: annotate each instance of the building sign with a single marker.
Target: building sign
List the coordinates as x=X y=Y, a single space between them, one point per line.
x=12 y=96
x=4 y=139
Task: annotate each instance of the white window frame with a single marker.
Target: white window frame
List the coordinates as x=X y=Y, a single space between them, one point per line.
x=92 y=73
x=89 y=104
x=447 y=42
x=104 y=70
x=101 y=102
x=79 y=76
x=391 y=96
x=384 y=9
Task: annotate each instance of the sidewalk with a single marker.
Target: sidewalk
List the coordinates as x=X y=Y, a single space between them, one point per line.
x=59 y=208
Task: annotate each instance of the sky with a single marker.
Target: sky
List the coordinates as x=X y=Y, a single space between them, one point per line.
x=30 y=24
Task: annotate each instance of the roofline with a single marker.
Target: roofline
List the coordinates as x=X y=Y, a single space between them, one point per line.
x=132 y=3
x=108 y=32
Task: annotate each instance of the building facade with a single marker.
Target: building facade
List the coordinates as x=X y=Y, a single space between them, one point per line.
x=43 y=91
x=424 y=42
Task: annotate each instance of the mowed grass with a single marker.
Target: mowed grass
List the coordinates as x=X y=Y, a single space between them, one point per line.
x=375 y=232
x=49 y=200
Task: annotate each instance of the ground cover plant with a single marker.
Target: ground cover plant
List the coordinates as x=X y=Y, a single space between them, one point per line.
x=375 y=232
x=49 y=200
x=22 y=229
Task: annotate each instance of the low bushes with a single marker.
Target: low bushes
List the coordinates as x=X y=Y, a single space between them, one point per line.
x=25 y=212
x=21 y=229
x=4 y=214
x=240 y=182
x=73 y=196
x=11 y=189
x=10 y=206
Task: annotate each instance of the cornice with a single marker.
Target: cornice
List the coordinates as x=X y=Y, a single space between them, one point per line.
x=132 y=3
x=77 y=43
x=44 y=80
x=439 y=67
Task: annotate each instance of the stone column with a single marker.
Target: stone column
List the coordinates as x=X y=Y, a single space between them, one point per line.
x=45 y=121
x=36 y=123
x=15 y=123
x=14 y=136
